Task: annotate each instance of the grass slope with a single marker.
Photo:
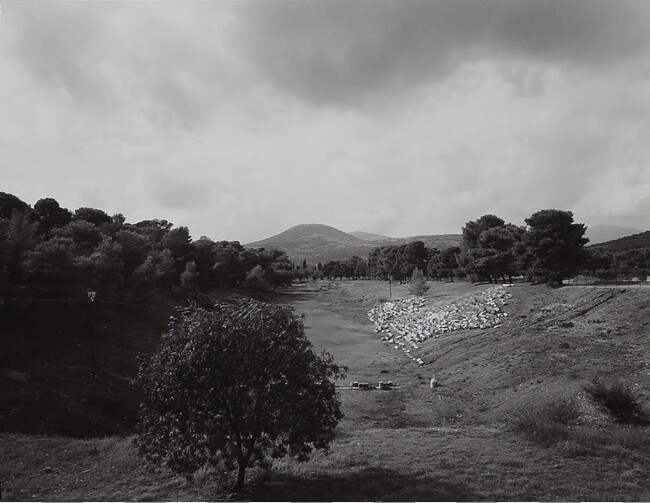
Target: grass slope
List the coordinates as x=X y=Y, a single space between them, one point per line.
x=46 y=386
x=492 y=429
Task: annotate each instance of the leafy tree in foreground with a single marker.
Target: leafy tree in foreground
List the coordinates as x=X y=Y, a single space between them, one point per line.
x=234 y=385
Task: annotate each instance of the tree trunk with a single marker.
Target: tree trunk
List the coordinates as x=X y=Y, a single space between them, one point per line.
x=242 y=461
x=240 y=476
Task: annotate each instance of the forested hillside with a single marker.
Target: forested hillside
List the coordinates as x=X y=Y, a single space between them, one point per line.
x=50 y=251
x=83 y=293
x=634 y=242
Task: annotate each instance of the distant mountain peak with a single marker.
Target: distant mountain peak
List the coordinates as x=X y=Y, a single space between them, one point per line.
x=310 y=228
x=320 y=242
x=317 y=233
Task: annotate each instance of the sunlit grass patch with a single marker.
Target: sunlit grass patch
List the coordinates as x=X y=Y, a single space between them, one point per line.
x=558 y=423
x=549 y=422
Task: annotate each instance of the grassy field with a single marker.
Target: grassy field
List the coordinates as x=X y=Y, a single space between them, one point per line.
x=510 y=418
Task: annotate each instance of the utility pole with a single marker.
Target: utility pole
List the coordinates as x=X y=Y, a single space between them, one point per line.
x=91 y=297
x=390 y=289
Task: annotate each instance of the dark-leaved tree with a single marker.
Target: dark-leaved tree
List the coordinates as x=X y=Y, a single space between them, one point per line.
x=92 y=215
x=9 y=203
x=479 y=259
x=52 y=265
x=556 y=244
x=234 y=385
x=17 y=237
x=49 y=214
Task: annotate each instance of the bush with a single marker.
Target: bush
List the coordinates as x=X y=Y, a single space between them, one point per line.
x=619 y=399
x=256 y=280
x=548 y=423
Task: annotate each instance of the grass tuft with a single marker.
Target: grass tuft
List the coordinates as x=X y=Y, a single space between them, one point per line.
x=547 y=423
x=619 y=399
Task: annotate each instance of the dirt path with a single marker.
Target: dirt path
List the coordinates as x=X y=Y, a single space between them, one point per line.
x=553 y=343
x=351 y=341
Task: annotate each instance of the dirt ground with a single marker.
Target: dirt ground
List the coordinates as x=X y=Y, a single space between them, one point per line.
x=553 y=342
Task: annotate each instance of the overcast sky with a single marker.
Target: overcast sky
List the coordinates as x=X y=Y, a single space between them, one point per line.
x=239 y=120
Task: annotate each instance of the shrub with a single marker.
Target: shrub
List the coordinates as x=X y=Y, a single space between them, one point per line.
x=547 y=423
x=418 y=285
x=619 y=399
x=256 y=280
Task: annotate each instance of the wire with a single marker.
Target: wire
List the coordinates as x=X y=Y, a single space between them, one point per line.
x=102 y=301
x=127 y=303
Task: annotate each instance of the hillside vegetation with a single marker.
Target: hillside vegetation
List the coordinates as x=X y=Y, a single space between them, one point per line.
x=602 y=233
x=636 y=241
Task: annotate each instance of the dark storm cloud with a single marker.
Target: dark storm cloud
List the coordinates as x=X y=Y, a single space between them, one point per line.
x=342 y=53
x=240 y=119
x=56 y=42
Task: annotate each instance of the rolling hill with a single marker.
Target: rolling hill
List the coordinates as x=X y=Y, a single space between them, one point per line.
x=641 y=240
x=369 y=236
x=603 y=233
x=321 y=243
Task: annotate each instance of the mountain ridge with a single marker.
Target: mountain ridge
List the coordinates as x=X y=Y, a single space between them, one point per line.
x=321 y=243
x=598 y=234
x=369 y=236
x=633 y=242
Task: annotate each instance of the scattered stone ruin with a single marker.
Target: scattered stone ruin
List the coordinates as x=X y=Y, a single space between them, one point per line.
x=406 y=323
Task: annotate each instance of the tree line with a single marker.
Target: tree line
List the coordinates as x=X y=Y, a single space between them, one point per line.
x=52 y=249
x=549 y=248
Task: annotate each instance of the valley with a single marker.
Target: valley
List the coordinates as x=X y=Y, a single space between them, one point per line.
x=457 y=438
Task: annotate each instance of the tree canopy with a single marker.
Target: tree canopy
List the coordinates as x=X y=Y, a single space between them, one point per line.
x=50 y=248
x=556 y=243
x=490 y=249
